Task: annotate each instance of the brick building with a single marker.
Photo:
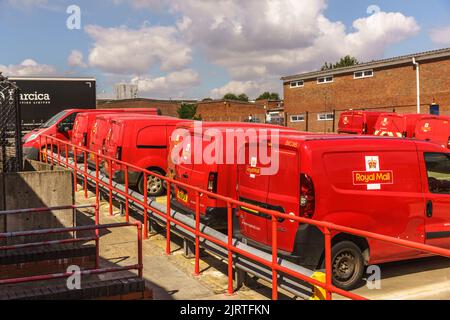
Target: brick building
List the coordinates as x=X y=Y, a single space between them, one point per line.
x=167 y=107
x=211 y=110
x=230 y=110
x=313 y=101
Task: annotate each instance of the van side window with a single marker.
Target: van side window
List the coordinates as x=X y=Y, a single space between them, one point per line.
x=69 y=121
x=438 y=170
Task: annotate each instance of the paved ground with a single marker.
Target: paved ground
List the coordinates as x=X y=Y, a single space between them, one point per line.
x=171 y=276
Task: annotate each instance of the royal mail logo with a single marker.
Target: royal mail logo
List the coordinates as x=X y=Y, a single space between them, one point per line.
x=253 y=170
x=373 y=177
x=346 y=121
x=426 y=127
x=378 y=178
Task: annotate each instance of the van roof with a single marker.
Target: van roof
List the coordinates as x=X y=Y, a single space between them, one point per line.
x=147 y=120
x=387 y=141
x=230 y=124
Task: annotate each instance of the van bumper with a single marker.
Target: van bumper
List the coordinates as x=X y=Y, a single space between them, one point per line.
x=30 y=153
x=308 y=247
x=119 y=176
x=216 y=218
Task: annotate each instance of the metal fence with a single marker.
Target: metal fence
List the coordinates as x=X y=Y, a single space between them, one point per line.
x=10 y=127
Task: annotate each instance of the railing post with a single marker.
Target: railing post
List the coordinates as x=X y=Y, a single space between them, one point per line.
x=127 y=209
x=168 y=208
x=140 y=260
x=145 y=206
x=66 y=148
x=197 y=235
x=97 y=237
x=58 y=145
x=274 y=258
x=110 y=209
x=75 y=168
x=40 y=149
x=97 y=192
x=230 y=252
x=85 y=174
x=328 y=266
x=46 y=150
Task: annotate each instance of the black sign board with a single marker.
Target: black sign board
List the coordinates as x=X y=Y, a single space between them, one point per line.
x=41 y=98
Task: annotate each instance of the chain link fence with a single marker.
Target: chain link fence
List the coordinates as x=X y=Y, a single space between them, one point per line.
x=10 y=127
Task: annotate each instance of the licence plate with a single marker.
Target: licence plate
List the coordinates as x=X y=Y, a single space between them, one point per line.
x=182 y=196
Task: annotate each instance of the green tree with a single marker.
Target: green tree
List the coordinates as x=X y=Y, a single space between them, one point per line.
x=232 y=96
x=346 y=61
x=207 y=99
x=243 y=97
x=269 y=96
x=188 y=111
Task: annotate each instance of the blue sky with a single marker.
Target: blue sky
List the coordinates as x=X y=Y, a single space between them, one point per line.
x=197 y=49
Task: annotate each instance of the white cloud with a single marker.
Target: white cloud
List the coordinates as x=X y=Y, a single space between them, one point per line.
x=135 y=51
x=441 y=36
x=257 y=40
x=28 y=67
x=252 y=88
x=172 y=85
x=75 y=59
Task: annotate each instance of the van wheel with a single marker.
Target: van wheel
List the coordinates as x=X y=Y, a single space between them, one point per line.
x=155 y=185
x=347 y=265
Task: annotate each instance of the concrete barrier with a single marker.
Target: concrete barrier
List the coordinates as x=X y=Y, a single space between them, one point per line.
x=40 y=186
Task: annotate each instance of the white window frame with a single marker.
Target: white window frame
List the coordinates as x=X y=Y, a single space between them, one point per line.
x=326 y=114
x=325 y=80
x=302 y=116
x=297 y=85
x=364 y=75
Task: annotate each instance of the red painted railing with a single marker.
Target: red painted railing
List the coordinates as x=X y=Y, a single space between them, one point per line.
x=326 y=227
x=8 y=235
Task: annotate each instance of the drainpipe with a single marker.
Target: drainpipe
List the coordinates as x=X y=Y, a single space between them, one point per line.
x=416 y=64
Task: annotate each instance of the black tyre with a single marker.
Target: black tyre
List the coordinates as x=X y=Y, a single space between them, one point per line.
x=347 y=265
x=155 y=185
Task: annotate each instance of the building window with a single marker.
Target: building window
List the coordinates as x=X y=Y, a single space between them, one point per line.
x=298 y=118
x=326 y=116
x=363 y=74
x=297 y=84
x=325 y=80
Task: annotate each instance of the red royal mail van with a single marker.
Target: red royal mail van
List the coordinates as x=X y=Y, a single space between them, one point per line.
x=358 y=122
x=59 y=126
x=435 y=129
x=397 y=125
x=394 y=187
x=214 y=176
x=142 y=142
x=84 y=121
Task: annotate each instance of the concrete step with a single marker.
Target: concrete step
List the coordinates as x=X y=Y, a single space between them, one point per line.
x=131 y=288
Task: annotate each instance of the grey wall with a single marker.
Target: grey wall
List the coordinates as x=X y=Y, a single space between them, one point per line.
x=50 y=186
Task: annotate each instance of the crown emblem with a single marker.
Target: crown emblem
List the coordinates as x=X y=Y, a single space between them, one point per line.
x=372 y=164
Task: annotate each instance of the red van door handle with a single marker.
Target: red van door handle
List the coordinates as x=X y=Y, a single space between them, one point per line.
x=429 y=209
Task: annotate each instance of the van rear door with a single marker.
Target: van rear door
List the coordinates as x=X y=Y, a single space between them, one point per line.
x=283 y=196
x=253 y=189
x=436 y=130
